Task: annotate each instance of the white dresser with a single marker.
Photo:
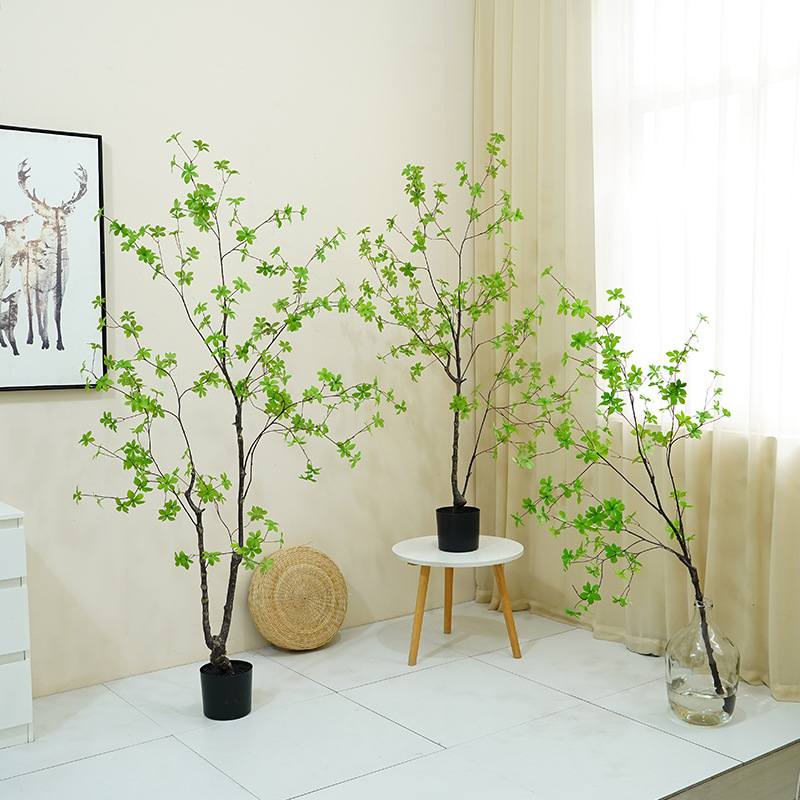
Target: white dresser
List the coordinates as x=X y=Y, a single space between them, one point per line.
x=16 y=705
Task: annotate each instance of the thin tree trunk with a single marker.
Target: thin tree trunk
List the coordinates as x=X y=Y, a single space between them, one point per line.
x=219 y=657
x=459 y=501
x=712 y=662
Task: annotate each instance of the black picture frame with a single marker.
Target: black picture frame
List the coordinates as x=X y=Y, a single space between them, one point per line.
x=52 y=257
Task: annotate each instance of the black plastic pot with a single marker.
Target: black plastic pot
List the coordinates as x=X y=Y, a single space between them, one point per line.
x=458 y=529
x=227 y=696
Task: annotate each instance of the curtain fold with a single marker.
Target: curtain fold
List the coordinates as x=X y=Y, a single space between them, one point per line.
x=674 y=156
x=697 y=185
x=533 y=84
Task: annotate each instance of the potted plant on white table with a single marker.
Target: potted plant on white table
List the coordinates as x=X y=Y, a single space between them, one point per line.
x=425 y=292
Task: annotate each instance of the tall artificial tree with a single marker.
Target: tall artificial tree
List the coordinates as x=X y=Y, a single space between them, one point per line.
x=220 y=366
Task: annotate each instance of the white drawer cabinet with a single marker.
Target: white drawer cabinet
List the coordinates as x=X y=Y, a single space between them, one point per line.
x=16 y=706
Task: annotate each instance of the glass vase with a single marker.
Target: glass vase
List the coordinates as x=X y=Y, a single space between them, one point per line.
x=701 y=685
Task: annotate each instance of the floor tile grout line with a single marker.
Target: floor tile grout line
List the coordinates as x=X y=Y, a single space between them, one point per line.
x=476 y=657
x=202 y=722
x=531 y=680
x=652 y=727
x=502 y=648
x=417 y=668
x=215 y=767
x=362 y=775
x=430 y=640
x=301 y=674
x=395 y=722
x=136 y=708
x=355 y=777
x=511 y=727
x=476 y=738
x=579 y=701
x=596 y=704
x=166 y=736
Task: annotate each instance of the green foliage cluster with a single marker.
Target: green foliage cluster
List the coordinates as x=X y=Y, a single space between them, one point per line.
x=244 y=310
x=422 y=288
x=651 y=403
x=245 y=367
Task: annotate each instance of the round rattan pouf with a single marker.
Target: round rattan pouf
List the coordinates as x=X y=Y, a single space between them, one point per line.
x=300 y=601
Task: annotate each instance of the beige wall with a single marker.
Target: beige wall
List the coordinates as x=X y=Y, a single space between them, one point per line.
x=316 y=102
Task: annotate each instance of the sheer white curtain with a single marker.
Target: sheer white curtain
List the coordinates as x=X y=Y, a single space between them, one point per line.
x=695 y=211
x=697 y=185
x=697 y=179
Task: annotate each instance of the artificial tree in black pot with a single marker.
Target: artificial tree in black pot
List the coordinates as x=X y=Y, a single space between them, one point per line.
x=424 y=287
x=219 y=368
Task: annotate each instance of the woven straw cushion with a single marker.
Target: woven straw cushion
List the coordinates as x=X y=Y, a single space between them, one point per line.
x=300 y=601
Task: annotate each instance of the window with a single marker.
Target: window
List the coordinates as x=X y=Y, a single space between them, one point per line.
x=697 y=185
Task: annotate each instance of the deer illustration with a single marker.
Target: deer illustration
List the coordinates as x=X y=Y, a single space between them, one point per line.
x=8 y=320
x=47 y=267
x=13 y=256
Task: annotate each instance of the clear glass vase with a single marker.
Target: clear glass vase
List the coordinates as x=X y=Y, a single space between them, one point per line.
x=702 y=688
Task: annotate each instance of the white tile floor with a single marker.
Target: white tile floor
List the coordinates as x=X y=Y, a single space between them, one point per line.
x=575 y=717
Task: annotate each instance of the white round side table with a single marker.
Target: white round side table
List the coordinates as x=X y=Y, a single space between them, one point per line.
x=493 y=551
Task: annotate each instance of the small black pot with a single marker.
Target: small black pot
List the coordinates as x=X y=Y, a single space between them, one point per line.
x=227 y=696
x=458 y=528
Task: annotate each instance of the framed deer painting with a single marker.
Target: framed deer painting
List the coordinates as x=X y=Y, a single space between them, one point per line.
x=51 y=257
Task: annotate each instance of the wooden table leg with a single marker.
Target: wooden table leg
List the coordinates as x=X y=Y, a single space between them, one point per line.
x=448 y=599
x=506 y=605
x=422 y=591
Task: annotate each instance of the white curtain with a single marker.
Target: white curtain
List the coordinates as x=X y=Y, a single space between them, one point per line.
x=697 y=179
x=533 y=84
x=697 y=185
x=696 y=210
